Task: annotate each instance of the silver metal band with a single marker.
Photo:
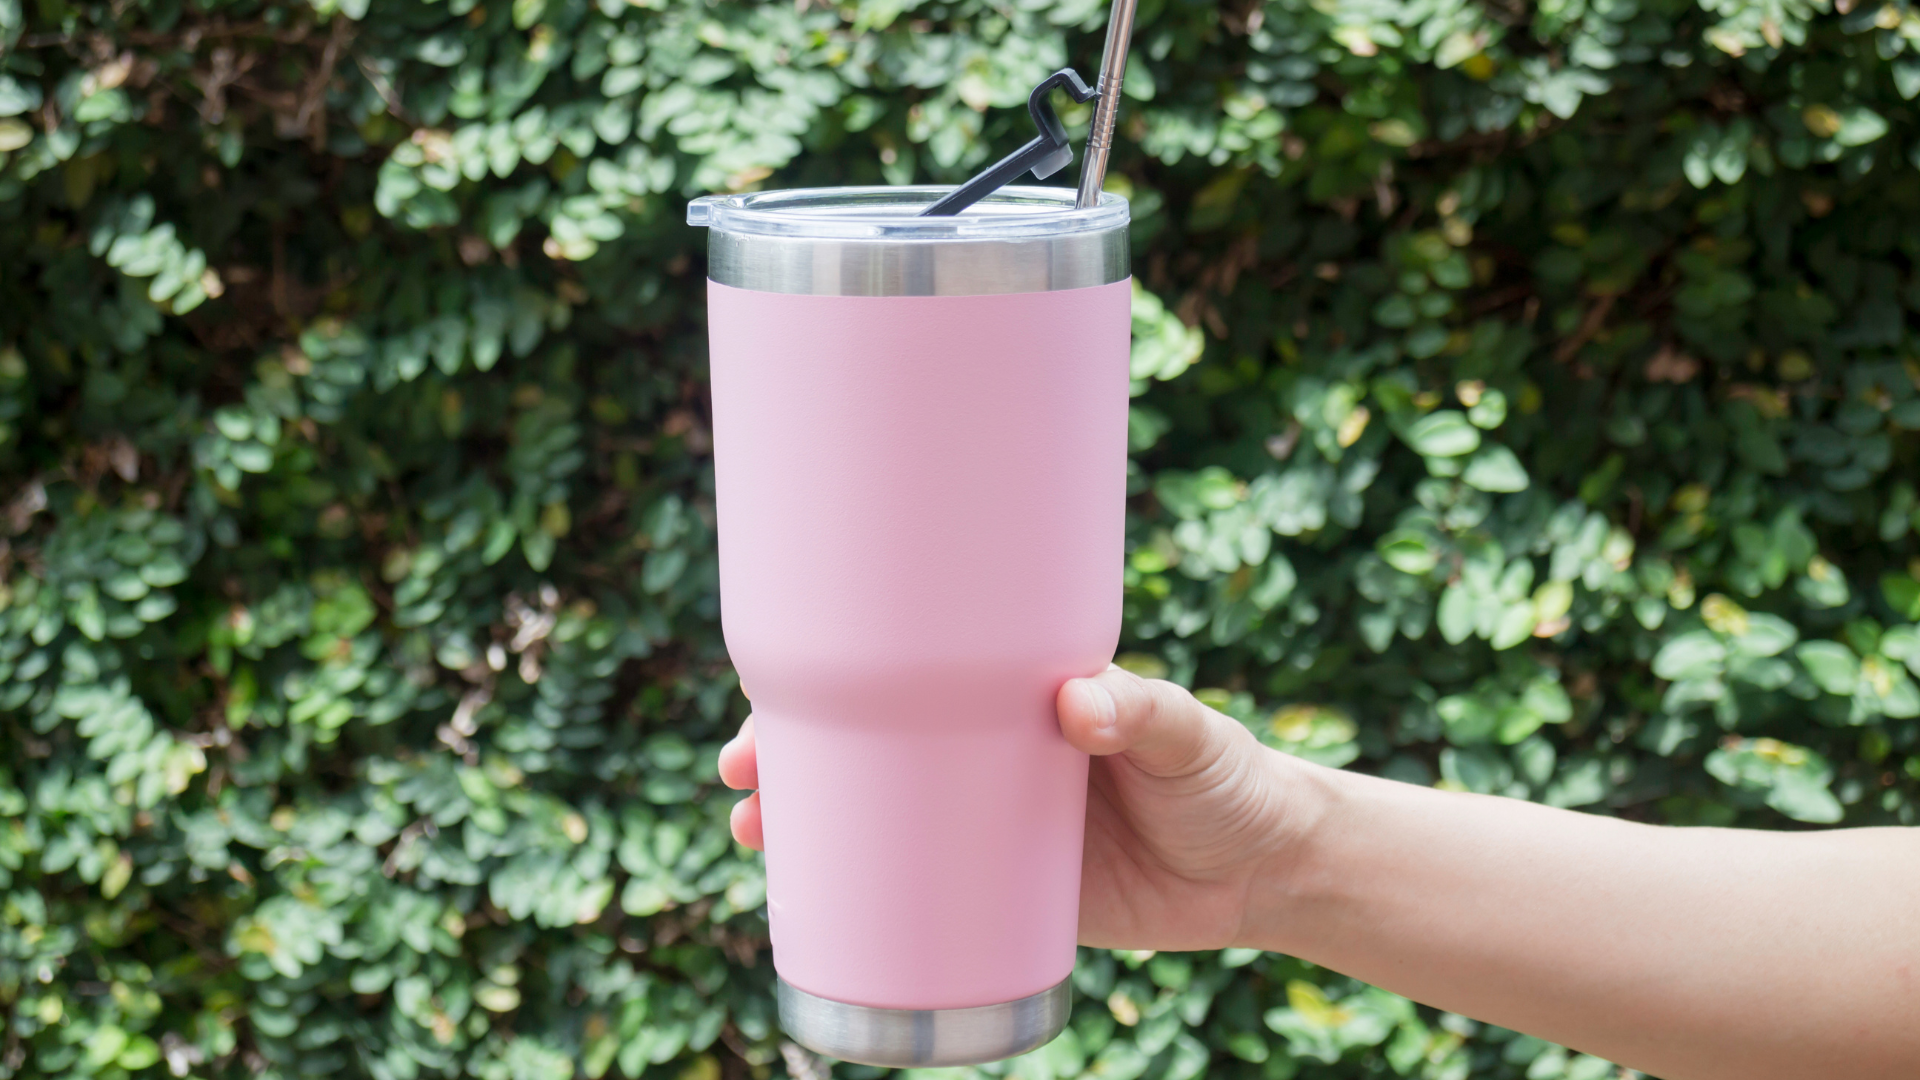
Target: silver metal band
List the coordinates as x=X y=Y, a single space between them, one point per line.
x=883 y=267
x=906 y=1038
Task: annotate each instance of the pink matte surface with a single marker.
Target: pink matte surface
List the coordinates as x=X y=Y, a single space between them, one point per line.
x=921 y=515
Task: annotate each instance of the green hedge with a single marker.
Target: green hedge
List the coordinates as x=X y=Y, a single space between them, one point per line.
x=1526 y=399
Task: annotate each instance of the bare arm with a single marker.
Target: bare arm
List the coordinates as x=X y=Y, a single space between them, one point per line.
x=1689 y=953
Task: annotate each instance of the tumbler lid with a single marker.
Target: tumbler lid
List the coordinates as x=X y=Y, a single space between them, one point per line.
x=860 y=213
x=871 y=241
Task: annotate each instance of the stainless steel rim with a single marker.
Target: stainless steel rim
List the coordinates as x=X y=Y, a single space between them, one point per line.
x=904 y=1038
x=813 y=267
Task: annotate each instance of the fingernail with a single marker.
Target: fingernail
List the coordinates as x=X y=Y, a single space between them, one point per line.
x=1105 y=713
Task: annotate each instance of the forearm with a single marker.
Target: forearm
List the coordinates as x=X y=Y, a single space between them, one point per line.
x=1692 y=954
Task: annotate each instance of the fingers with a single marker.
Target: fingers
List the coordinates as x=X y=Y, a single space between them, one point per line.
x=740 y=769
x=746 y=823
x=1158 y=725
x=739 y=760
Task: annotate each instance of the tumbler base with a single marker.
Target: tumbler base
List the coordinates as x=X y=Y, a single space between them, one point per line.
x=902 y=1038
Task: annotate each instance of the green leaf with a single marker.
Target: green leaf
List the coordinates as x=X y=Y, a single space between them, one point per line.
x=1833 y=666
x=1903 y=595
x=251 y=457
x=163 y=571
x=1456 y=613
x=1477 y=769
x=1469 y=720
x=18 y=97
x=1495 y=468
x=1906 y=77
x=1446 y=433
x=233 y=423
x=1409 y=551
x=1794 y=778
x=14 y=134
x=1276 y=583
x=1395 y=311
x=1581 y=782
x=1806 y=801
x=1693 y=655
x=1516 y=723
x=1765 y=635
x=1902 y=643
x=495 y=998
x=1514 y=625
x=1490 y=411
x=105 y=1045
x=140 y=1052
x=1860 y=126
x=1547 y=699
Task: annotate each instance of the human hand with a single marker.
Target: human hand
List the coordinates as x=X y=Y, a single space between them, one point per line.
x=1189 y=818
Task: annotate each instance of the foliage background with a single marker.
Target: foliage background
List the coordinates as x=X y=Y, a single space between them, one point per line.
x=1526 y=398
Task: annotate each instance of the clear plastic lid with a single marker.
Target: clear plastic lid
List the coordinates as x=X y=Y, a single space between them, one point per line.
x=891 y=213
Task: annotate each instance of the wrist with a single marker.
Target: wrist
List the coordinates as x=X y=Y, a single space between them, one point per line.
x=1288 y=877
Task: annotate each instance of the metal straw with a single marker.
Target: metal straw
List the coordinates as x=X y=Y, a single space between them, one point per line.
x=1113 y=71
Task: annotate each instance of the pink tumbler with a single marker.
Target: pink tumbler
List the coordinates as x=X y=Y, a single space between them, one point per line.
x=920 y=430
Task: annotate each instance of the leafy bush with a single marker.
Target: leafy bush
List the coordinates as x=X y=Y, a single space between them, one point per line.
x=1525 y=405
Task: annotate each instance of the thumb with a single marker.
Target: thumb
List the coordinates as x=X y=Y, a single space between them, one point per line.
x=1161 y=728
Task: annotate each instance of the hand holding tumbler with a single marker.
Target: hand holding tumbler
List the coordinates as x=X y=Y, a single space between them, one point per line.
x=920 y=458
